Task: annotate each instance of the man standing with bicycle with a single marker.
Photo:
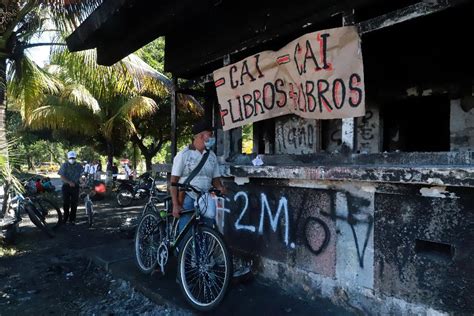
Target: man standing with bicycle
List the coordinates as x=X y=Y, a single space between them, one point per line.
x=186 y=162
x=70 y=173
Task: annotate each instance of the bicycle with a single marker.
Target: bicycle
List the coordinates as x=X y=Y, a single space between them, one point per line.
x=204 y=261
x=39 y=211
x=87 y=188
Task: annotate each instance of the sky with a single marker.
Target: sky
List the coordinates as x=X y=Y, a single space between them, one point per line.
x=40 y=54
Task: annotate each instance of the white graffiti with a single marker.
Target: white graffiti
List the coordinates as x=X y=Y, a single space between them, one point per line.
x=283 y=204
x=220 y=213
x=264 y=209
x=237 y=224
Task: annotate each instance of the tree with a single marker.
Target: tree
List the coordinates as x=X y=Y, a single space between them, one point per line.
x=151 y=138
x=110 y=105
x=19 y=21
x=149 y=131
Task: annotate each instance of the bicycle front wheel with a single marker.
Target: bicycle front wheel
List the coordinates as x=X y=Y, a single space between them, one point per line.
x=150 y=233
x=50 y=212
x=37 y=218
x=205 y=269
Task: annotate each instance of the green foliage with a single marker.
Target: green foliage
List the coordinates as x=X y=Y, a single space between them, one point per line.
x=247 y=139
x=154 y=54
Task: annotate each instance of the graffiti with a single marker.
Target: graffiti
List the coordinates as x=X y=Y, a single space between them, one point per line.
x=282 y=208
x=366 y=129
x=237 y=224
x=282 y=205
x=309 y=231
x=355 y=217
x=317 y=235
x=295 y=136
x=304 y=227
x=221 y=210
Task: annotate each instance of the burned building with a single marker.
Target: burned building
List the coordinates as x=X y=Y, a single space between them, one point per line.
x=374 y=212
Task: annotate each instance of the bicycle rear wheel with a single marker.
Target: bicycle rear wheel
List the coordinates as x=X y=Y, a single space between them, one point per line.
x=150 y=233
x=205 y=269
x=37 y=218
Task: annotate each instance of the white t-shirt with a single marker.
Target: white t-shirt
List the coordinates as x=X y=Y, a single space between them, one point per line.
x=92 y=169
x=185 y=162
x=127 y=169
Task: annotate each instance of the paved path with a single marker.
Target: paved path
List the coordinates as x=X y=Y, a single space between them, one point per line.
x=254 y=298
x=110 y=244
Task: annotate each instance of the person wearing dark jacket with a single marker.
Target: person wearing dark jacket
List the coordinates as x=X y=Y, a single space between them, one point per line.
x=70 y=173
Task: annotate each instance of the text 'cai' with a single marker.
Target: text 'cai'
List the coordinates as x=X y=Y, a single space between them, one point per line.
x=317 y=76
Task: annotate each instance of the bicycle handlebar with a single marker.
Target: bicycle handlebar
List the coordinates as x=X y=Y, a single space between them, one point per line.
x=188 y=187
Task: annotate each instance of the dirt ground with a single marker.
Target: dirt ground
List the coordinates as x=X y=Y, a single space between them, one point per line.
x=48 y=276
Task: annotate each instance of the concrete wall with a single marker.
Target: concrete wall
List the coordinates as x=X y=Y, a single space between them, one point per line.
x=373 y=247
x=462 y=124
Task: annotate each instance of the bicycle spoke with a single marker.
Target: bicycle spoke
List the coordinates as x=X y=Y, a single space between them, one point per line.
x=211 y=248
x=204 y=269
x=211 y=292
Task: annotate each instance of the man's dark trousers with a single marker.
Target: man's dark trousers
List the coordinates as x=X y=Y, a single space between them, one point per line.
x=70 y=198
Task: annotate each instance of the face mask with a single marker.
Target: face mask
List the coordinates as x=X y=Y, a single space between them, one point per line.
x=72 y=161
x=210 y=142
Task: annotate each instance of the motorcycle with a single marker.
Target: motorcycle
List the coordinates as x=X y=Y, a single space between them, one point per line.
x=129 y=190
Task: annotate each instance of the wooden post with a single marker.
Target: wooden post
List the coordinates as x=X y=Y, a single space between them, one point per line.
x=174 y=115
x=348 y=126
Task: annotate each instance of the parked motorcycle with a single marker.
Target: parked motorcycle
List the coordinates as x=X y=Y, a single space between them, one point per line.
x=129 y=190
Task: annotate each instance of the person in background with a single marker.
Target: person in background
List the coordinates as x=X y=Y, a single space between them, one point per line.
x=87 y=167
x=97 y=169
x=70 y=173
x=92 y=170
x=128 y=171
x=47 y=185
x=115 y=172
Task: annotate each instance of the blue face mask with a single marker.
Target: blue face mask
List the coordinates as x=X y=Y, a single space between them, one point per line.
x=210 y=142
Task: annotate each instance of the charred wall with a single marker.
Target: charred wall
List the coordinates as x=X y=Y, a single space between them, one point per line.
x=424 y=246
x=410 y=242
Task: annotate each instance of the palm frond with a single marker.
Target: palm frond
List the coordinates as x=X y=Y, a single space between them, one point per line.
x=67 y=15
x=68 y=118
x=104 y=83
x=29 y=84
x=188 y=104
x=147 y=79
x=138 y=107
x=8 y=157
x=78 y=95
x=112 y=126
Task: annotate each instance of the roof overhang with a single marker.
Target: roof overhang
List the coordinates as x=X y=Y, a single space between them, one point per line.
x=200 y=32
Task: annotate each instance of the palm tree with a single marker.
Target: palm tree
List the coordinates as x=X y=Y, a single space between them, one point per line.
x=150 y=130
x=20 y=20
x=88 y=96
x=110 y=105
